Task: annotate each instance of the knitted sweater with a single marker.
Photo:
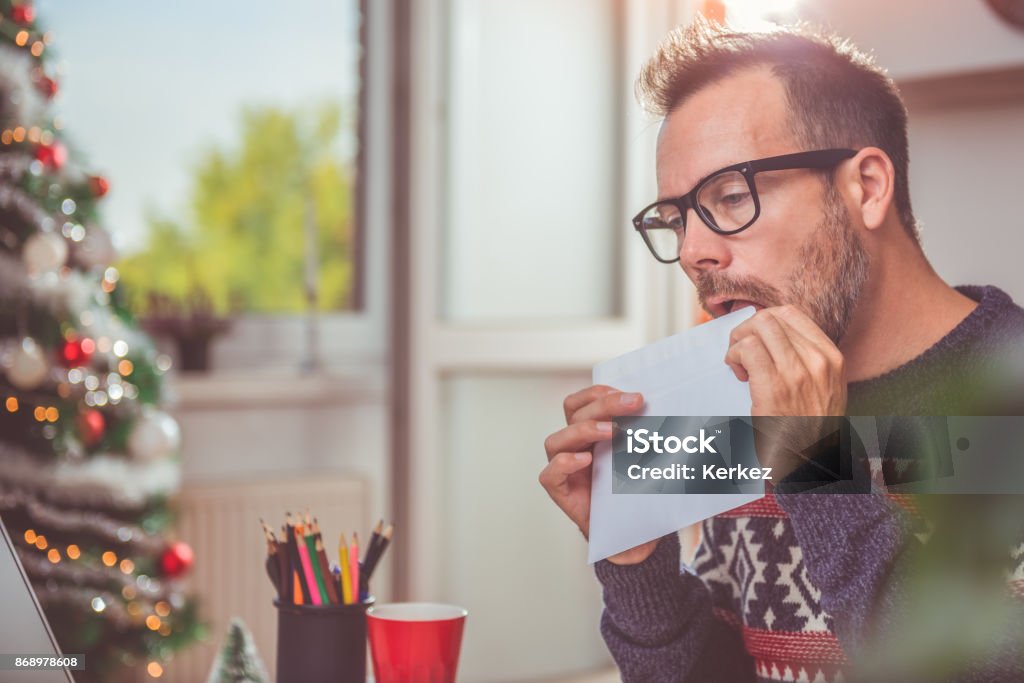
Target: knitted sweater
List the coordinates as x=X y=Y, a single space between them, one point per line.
x=783 y=588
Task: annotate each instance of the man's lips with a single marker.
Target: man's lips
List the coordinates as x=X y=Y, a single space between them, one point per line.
x=720 y=305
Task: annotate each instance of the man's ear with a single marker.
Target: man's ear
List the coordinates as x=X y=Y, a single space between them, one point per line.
x=870 y=179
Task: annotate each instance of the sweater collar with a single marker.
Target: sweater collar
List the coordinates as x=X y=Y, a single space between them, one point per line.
x=992 y=302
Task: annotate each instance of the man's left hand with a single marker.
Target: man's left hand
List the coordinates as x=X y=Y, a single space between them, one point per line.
x=793 y=368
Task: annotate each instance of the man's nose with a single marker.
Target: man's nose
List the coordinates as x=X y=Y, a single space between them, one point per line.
x=702 y=247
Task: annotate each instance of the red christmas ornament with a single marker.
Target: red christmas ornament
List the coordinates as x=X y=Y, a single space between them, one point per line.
x=176 y=559
x=98 y=185
x=23 y=14
x=52 y=156
x=47 y=86
x=91 y=426
x=76 y=352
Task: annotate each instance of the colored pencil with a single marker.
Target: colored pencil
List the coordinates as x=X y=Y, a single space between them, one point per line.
x=353 y=560
x=371 y=549
x=325 y=568
x=310 y=540
x=298 y=577
x=299 y=569
x=285 y=569
x=272 y=565
x=346 y=571
x=371 y=562
x=307 y=567
x=333 y=594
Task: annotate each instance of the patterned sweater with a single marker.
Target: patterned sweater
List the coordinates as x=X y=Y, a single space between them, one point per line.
x=784 y=588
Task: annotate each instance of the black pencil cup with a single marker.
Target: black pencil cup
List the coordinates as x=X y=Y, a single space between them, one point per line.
x=321 y=643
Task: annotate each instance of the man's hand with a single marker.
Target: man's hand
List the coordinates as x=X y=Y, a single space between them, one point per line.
x=797 y=380
x=570 y=452
x=793 y=368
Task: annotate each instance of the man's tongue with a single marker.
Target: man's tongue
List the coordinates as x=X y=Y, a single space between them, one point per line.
x=737 y=304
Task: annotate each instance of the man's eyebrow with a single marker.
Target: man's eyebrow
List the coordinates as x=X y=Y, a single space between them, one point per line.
x=702 y=178
x=699 y=181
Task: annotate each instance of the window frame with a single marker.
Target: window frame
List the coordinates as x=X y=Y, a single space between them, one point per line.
x=264 y=343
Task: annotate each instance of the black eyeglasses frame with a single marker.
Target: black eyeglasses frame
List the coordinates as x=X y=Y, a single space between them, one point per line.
x=816 y=159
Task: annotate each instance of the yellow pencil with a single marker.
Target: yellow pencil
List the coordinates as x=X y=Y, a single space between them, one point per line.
x=346 y=572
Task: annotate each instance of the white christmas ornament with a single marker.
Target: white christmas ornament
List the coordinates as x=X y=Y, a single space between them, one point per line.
x=96 y=250
x=28 y=366
x=155 y=435
x=68 y=292
x=44 y=252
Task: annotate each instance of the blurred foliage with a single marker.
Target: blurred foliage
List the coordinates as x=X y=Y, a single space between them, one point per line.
x=957 y=619
x=241 y=244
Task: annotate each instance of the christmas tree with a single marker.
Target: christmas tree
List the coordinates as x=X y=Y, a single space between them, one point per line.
x=238 y=661
x=87 y=459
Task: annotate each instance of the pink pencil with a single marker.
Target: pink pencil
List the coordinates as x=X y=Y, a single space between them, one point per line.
x=307 y=568
x=353 y=561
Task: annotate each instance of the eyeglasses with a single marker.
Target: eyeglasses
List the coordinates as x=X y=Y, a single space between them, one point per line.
x=726 y=200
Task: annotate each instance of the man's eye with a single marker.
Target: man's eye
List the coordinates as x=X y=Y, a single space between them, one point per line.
x=735 y=199
x=674 y=222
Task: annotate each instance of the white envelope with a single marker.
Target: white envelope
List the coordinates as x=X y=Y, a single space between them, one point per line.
x=684 y=374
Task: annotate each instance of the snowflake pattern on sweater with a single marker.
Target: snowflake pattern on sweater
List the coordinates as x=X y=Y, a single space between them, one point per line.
x=752 y=564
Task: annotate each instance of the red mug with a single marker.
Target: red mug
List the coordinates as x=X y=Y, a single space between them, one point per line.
x=415 y=642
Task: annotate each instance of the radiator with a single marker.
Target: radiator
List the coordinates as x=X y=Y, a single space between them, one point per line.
x=221 y=523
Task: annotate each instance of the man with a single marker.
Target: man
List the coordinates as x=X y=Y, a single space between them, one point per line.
x=851 y=320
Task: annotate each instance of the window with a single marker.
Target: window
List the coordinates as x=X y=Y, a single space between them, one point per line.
x=232 y=138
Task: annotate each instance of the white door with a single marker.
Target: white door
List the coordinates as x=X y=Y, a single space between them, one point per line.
x=528 y=155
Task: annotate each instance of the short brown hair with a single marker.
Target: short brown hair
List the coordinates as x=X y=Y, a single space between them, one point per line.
x=837 y=95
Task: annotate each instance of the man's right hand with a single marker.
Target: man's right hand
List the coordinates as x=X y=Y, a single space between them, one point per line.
x=570 y=450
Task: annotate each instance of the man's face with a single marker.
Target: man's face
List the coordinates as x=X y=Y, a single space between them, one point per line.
x=802 y=250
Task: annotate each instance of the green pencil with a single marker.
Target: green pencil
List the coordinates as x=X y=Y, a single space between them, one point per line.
x=311 y=546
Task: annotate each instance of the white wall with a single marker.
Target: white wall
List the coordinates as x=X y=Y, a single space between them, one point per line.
x=962 y=71
x=917 y=39
x=966 y=177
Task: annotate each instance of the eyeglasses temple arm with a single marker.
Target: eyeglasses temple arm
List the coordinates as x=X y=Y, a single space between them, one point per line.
x=824 y=158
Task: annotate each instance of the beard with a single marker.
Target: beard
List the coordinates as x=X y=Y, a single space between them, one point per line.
x=827 y=282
